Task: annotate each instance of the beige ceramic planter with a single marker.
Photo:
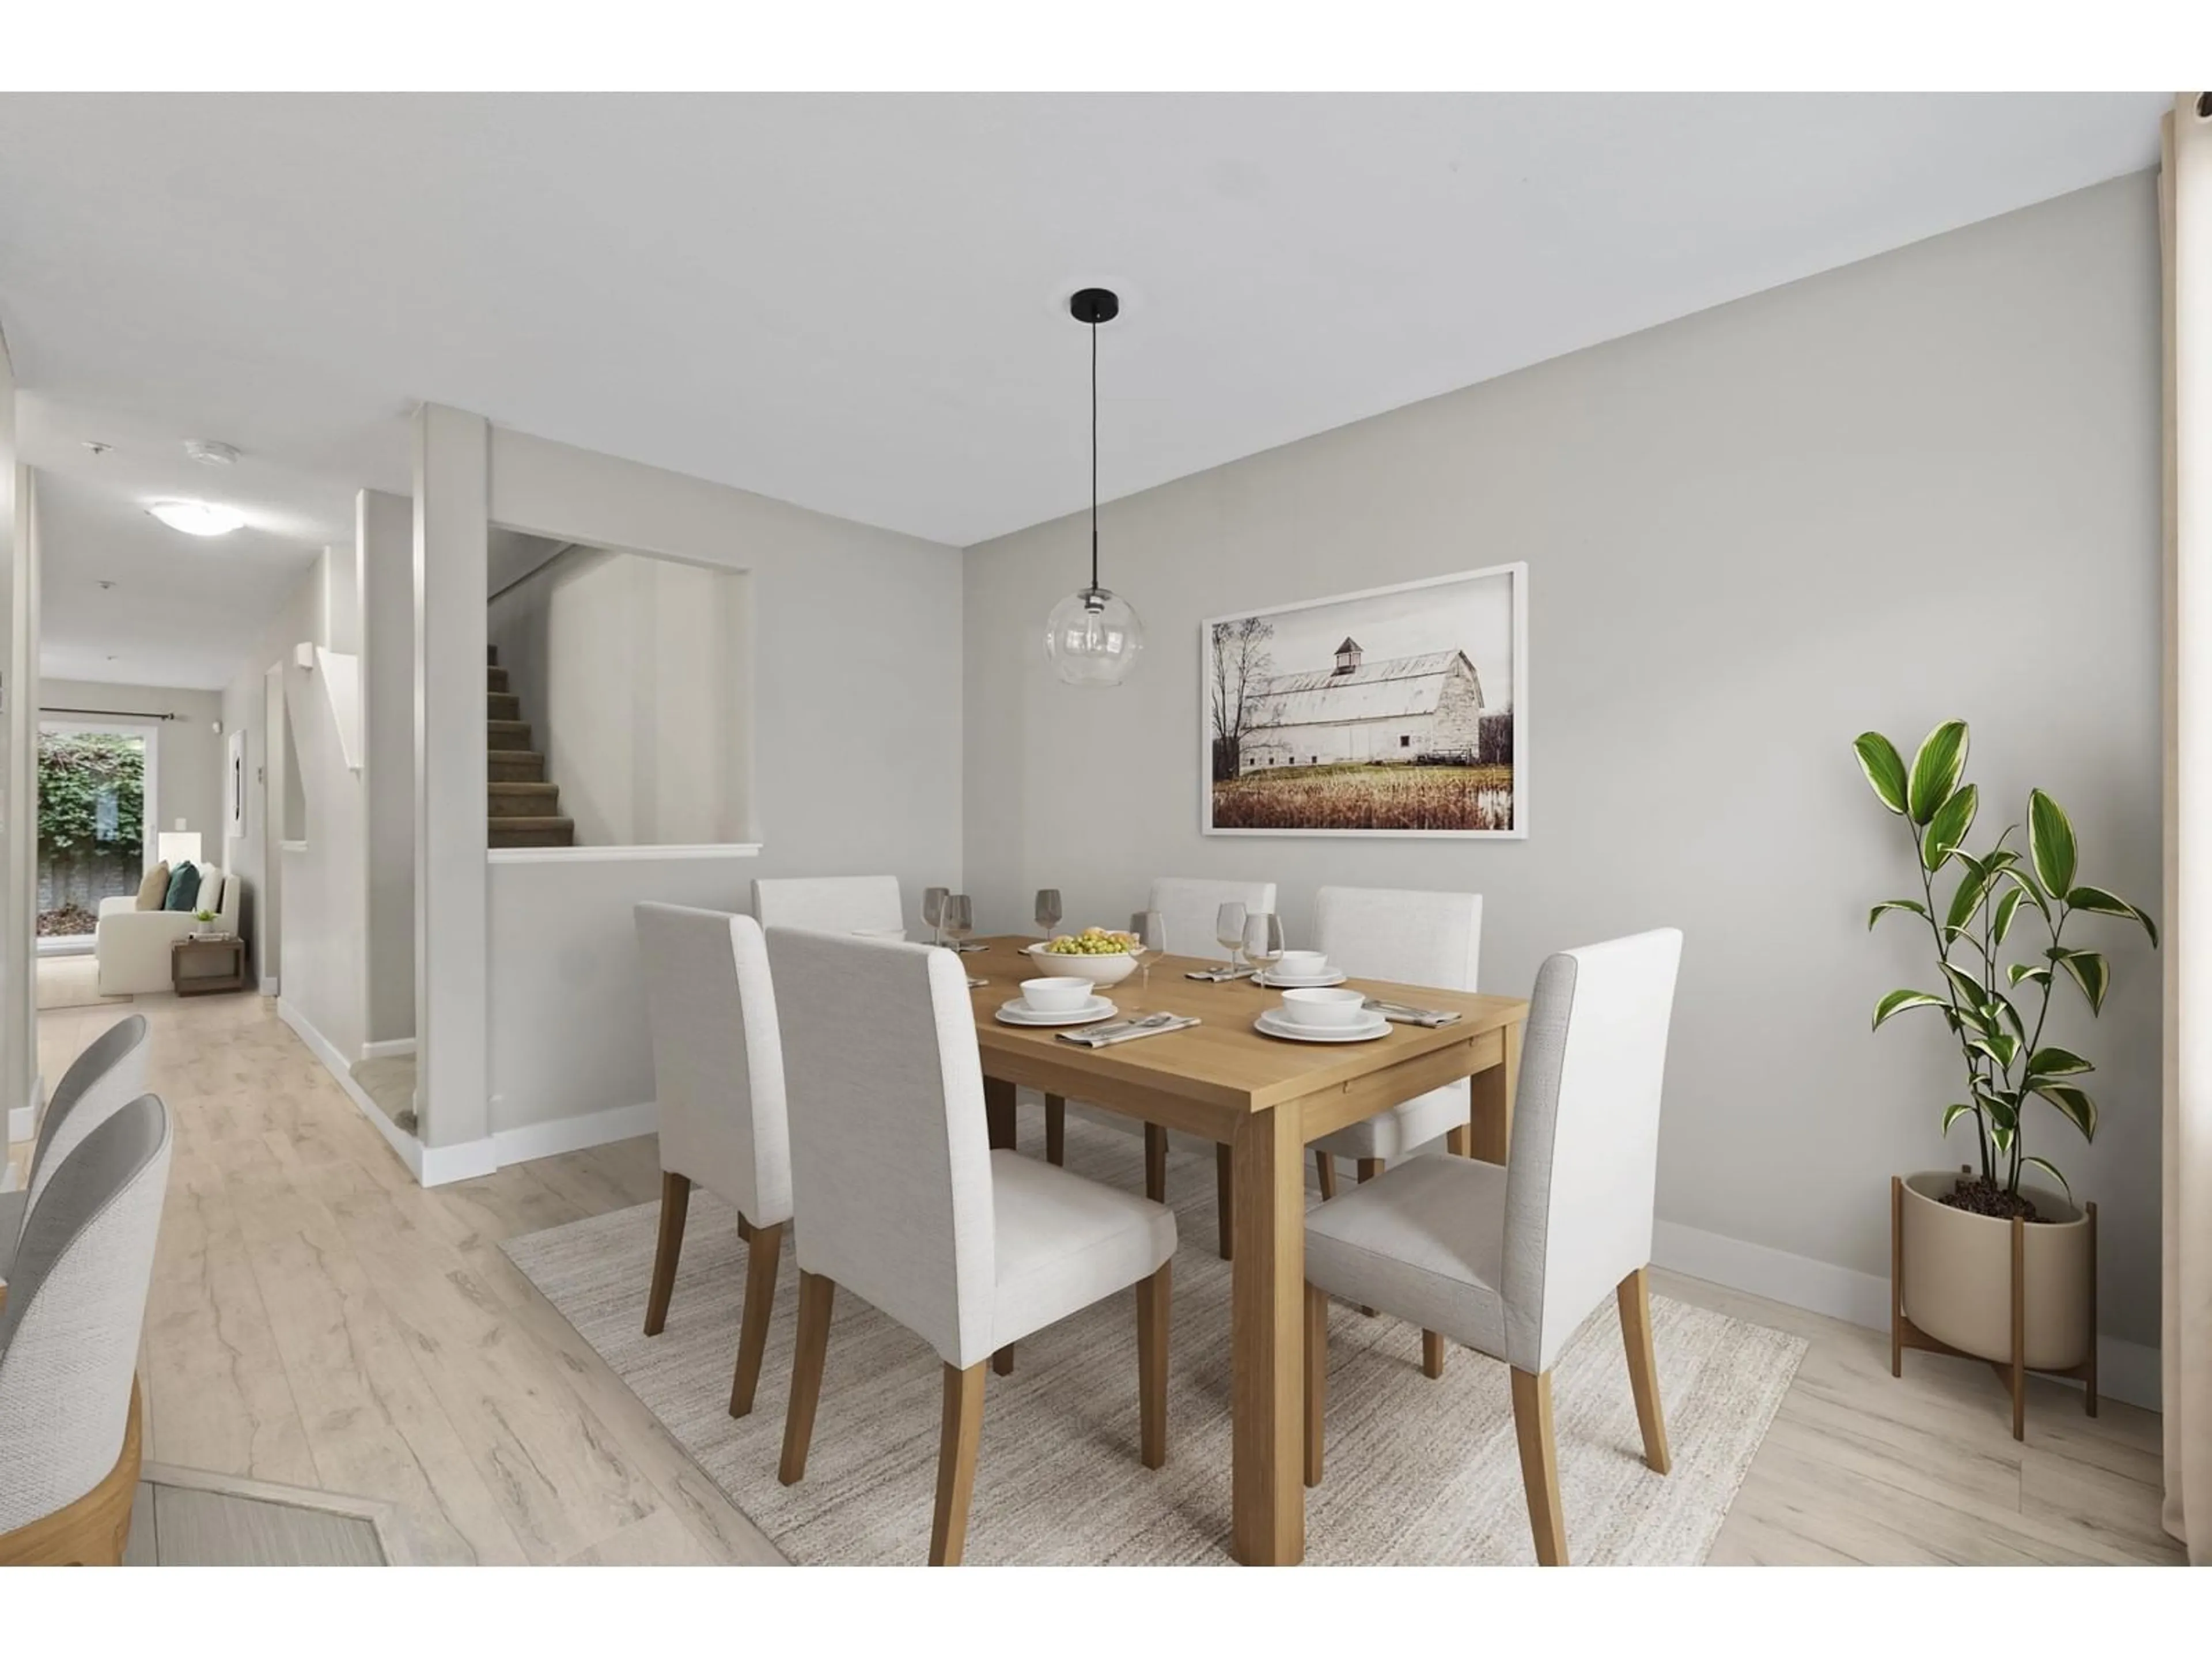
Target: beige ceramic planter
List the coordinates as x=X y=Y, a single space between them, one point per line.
x=1958 y=1276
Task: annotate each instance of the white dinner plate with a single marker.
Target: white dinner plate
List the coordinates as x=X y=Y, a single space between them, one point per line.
x=1276 y=1024
x=1284 y=982
x=1018 y=1012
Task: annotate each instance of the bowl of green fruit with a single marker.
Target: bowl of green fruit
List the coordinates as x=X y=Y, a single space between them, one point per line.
x=1095 y=954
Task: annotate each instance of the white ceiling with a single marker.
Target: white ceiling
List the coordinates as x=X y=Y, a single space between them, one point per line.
x=856 y=302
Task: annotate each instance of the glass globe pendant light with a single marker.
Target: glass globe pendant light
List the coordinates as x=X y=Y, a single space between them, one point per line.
x=1092 y=636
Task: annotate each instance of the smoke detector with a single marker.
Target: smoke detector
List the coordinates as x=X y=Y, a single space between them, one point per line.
x=208 y=452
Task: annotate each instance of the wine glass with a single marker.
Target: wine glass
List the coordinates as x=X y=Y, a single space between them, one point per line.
x=1263 y=940
x=932 y=911
x=1150 y=930
x=1048 y=912
x=959 y=920
x=1229 y=933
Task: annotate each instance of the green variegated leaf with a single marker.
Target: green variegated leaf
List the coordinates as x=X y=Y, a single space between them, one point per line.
x=2002 y=1004
x=2025 y=884
x=2099 y=902
x=1946 y=830
x=2089 y=970
x=2001 y=923
x=2028 y=970
x=2050 y=843
x=1914 y=905
x=1968 y=989
x=2051 y=1170
x=2001 y=1137
x=1884 y=768
x=2002 y=1047
x=1974 y=883
x=1898 y=1001
x=1936 y=770
x=2074 y=1104
x=1965 y=1016
x=1952 y=1114
x=2049 y=1062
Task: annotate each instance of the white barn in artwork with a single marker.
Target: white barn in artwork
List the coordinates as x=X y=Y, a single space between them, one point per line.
x=1406 y=710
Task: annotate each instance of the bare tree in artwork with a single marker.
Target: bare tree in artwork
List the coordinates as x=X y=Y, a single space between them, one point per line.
x=1242 y=667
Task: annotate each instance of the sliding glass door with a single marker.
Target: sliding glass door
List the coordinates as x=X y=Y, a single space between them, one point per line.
x=95 y=812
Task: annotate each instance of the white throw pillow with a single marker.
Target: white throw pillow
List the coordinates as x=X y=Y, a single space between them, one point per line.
x=210 y=897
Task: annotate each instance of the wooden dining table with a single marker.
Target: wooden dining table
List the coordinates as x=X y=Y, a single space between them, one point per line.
x=1265 y=1099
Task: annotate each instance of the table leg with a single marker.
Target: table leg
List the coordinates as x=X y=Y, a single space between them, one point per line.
x=1267 y=1310
x=998 y=1112
x=1490 y=1122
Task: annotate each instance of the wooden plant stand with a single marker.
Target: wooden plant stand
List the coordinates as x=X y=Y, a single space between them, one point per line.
x=1904 y=1334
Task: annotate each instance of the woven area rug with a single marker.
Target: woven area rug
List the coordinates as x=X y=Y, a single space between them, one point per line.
x=1418 y=1471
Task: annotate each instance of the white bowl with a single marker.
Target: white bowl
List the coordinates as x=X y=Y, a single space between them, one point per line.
x=1099 y=970
x=1299 y=964
x=1062 y=994
x=1329 y=1007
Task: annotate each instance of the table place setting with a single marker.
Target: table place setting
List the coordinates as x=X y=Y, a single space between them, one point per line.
x=1128 y=1030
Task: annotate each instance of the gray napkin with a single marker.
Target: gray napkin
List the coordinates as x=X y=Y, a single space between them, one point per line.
x=1219 y=975
x=1123 y=1031
x=1404 y=1015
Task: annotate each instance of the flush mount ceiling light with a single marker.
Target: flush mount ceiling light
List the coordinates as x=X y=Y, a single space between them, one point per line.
x=198 y=517
x=1092 y=638
x=210 y=453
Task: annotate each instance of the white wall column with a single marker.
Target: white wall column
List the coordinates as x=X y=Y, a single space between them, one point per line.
x=451 y=527
x=385 y=541
x=19 y=763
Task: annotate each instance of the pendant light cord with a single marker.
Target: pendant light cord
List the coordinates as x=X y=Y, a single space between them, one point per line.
x=1094 y=456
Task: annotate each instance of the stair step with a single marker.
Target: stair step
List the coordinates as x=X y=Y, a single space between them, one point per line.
x=533 y=832
x=507 y=734
x=517 y=766
x=524 y=800
x=494 y=679
x=503 y=705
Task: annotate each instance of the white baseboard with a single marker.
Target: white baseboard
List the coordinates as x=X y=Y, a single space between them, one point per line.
x=2125 y=1371
x=392 y=1050
x=472 y=1158
x=411 y=1151
x=463 y=1162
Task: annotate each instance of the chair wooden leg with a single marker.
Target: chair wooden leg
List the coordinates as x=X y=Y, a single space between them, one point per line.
x=1055 y=1129
x=1369 y=1168
x=1459 y=1140
x=1155 y=1163
x=1224 y=1196
x=1432 y=1354
x=761 y=1258
x=1152 y=1368
x=1634 y=1295
x=1325 y=1170
x=1539 y=1464
x=962 y=1433
x=745 y=1231
x=675 y=1205
x=1002 y=1362
x=816 y=1296
x=1317 y=1377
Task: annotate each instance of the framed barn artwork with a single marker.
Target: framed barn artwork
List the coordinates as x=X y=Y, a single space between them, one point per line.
x=1399 y=711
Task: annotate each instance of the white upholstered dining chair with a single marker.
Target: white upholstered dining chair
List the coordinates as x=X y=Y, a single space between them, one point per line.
x=70 y=1416
x=902 y=1201
x=109 y=1074
x=718 y=1078
x=830 y=904
x=1187 y=906
x=1509 y=1262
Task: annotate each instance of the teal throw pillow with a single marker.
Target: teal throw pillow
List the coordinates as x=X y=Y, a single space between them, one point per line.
x=183 y=889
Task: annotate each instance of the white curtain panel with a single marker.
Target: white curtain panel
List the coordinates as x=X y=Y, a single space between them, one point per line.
x=2185 y=1341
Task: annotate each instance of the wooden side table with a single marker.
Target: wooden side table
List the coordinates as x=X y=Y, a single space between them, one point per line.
x=199 y=966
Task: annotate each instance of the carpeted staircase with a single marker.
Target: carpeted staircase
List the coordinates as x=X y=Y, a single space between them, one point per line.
x=524 y=809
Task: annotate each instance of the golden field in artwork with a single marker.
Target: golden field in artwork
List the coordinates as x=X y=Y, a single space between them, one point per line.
x=1367 y=797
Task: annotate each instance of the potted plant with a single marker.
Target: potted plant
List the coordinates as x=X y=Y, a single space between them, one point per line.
x=1988 y=1264
x=206 y=919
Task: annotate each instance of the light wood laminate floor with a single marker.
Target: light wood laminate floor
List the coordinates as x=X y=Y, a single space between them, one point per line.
x=319 y=1321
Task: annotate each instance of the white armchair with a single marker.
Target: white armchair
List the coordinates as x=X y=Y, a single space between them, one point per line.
x=132 y=945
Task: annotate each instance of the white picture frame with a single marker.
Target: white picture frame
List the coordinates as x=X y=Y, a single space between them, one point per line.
x=1396 y=748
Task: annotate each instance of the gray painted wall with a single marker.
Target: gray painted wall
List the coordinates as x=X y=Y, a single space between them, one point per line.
x=385 y=538
x=1919 y=487
x=188 y=749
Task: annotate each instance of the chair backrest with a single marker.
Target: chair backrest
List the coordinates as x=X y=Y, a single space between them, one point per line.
x=77 y=1298
x=830 y=904
x=1581 y=1178
x=110 y=1073
x=1188 y=904
x=1415 y=939
x=717 y=1057
x=890 y=1163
